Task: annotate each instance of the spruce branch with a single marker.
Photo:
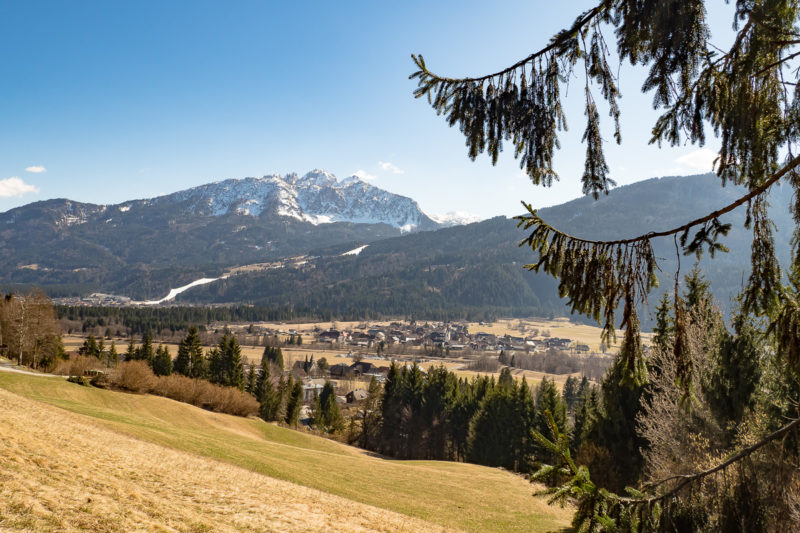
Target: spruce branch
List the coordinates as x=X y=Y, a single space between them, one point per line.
x=556 y=42
x=709 y=218
x=686 y=479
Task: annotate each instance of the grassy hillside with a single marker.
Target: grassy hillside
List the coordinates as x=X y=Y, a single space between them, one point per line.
x=452 y=495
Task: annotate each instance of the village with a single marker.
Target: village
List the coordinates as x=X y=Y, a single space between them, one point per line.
x=351 y=354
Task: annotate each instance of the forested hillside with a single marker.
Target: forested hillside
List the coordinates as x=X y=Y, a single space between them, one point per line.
x=472 y=271
x=477 y=270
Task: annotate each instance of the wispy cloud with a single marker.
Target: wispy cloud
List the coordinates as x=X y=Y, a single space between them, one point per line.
x=389 y=167
x=700 y=160
x=36 y=169
x=364 y=175
x=14 y=186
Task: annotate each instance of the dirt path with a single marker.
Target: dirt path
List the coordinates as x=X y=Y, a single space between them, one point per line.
x=8 y=366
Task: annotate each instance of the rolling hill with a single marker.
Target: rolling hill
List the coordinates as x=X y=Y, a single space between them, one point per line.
x=82 y=458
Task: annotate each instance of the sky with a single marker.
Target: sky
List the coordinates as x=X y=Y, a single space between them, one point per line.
x=104 y=102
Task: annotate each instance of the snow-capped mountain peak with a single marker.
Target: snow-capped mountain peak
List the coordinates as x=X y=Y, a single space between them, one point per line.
x=352 y=180
x=317 y=198
x=320 y=178
x=455 y=218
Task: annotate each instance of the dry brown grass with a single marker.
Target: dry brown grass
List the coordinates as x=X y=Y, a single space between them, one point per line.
x=457 y=495
x=63 y=472
x=557 y=327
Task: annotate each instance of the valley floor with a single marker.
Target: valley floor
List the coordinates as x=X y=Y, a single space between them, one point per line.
x=78 y=458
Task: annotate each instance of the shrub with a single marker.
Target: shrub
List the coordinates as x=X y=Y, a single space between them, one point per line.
x=80 y=380
x=134 y=376
x=77 y=365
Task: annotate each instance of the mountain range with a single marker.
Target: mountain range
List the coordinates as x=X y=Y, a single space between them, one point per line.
x=142 y=246
x=327 y=247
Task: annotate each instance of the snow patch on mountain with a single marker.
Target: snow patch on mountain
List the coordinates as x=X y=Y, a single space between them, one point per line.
x=174 y=292
x=355 y=251
x=455 y=218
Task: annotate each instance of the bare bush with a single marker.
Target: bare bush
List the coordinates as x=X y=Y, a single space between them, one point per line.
x=136 y=376
x=77 y=365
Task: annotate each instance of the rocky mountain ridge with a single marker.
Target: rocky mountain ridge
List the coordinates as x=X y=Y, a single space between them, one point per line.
x=317 y=197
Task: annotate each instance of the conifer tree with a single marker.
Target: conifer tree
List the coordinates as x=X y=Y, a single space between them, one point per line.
x=327 y=416
x=263 y=383
x=112 y=357
x=570 y=393
x=390 y=411
x=266 y=394
x=585 y=419
x=216 y=367
x=438 y=397
x=549 y=402
x=524 y=445
x=145 y=352
x=198 y=365
x=493 y=429
x=274 y=355
x=621 y=404
x=732 y=382
x=183 y=361
x=282 y=399
x=130 y=354
x=162 y=362
x=505 y=379
x=370 y=420
x=294 y=403
x=251 y=381
x=584 y=388
x=412 y=400
x=663 y=330
x=234 y=365
x=90 y=347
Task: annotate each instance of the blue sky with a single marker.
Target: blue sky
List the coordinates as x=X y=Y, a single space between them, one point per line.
x=108 y=101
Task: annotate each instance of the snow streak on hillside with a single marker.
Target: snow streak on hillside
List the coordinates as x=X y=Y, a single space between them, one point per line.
x=174 y=292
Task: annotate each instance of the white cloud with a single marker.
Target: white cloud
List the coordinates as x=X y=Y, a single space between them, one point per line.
x=700 y=160
x=36 y=169
x=391 y=167
x=364 y=175
x=14 y=186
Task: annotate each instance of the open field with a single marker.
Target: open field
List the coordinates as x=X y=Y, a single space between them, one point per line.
x=558 y=327
x=236 y=464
